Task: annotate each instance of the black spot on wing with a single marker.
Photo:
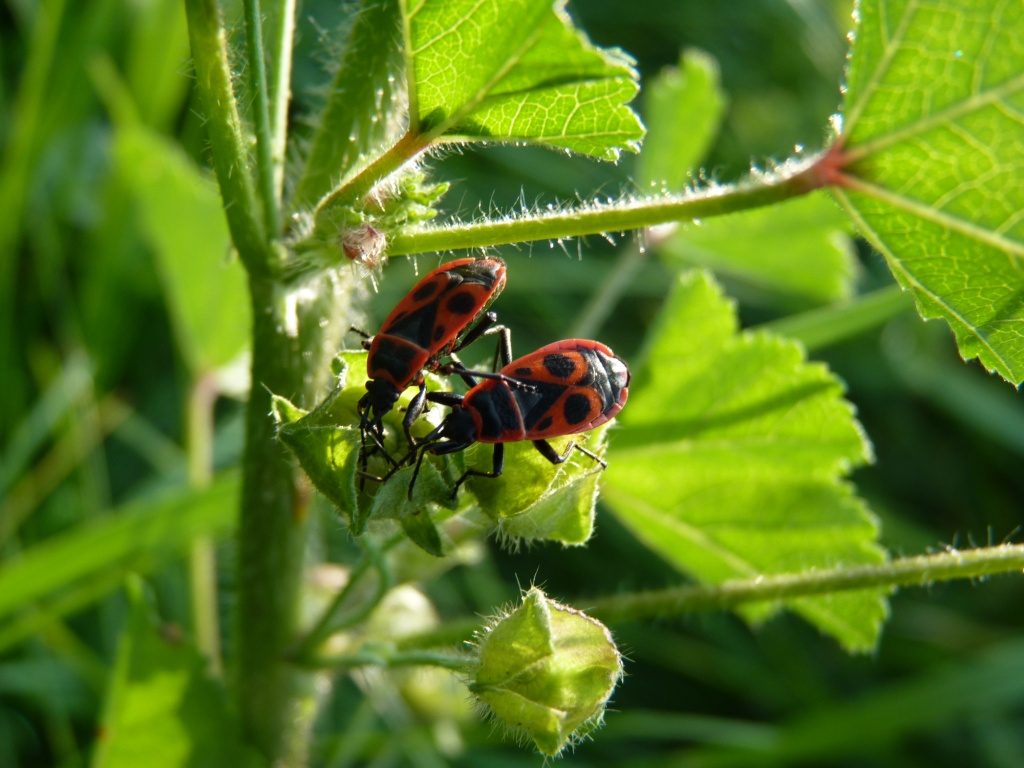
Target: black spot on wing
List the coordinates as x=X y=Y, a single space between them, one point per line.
x=524 y=371
x=439 y=332
x=576 y=409
x=462 y=303
x=559 y=366
x=426 y=290
x=543 y=424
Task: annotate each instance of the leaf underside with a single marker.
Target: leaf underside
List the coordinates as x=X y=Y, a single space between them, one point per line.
x=517 y=71
x=932 y=149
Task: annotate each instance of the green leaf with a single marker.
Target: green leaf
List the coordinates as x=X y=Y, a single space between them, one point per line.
x=930 y=153
x=534 y=500
x=358 y=120
x=730 y=458
x=328 y=452
x=139 y=536
x=181 y=216
x=423 y=533
x=517 y=71
x=163 y=710
x=157 y=46
x=683 y=109
x=799 y=249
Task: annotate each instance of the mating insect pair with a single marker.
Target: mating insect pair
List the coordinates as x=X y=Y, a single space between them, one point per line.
x=562 y=389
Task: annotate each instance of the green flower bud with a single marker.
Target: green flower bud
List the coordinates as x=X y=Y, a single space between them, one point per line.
x=547 y=671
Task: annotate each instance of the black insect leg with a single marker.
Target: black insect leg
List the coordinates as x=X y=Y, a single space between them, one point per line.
x=485 y=327
x=366 y=451
x=497 y=467
x=549 y=453
x=412 y=412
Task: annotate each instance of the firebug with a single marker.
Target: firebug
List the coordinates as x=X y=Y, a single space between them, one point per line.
x=443 y=312
x=562 y=389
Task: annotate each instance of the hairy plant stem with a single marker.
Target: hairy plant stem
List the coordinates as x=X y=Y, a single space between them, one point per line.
x=363 y=183
x=677 y=601
x=922 y=571
x=290 y=350
x=226 y=134
x=616 y=215
x=265 y=171
x=280 y=36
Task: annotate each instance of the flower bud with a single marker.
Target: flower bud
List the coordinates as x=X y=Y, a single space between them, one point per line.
x=547 y=671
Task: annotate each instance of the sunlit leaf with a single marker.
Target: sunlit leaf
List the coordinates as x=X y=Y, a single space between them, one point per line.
x=163 y=709
x=730 y=459
x=535 y=500
x=930 y=158
x=517 y=71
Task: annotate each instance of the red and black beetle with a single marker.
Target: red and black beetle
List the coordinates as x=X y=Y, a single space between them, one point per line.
x=444 y=312
x=562 y=389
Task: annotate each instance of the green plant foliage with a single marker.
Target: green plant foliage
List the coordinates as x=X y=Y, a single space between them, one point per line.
x=683 y=109
x=729 y=460
x=163 y=709
x=517 y=71
x=799 y=250
x=932 y=143
x=362 y=110
x=547 y=671
x=796 y=251
x=328 y=451
x=535 y=500
x=140 y=537
x=181 y=218
x=341 y=613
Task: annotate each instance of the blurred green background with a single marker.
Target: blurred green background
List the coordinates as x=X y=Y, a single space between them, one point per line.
x=95 y=377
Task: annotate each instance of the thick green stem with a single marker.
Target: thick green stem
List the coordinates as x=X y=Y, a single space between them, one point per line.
x=614 y=216
x=224 y=128
x=275 y=698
